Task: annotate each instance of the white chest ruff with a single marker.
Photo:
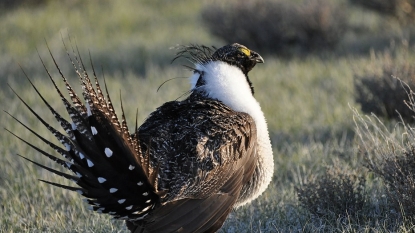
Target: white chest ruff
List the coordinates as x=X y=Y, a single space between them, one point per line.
x=228 y=84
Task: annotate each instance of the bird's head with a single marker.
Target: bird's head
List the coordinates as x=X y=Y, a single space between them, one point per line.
x=219 y=69
x=234 y=54
x=238 y=55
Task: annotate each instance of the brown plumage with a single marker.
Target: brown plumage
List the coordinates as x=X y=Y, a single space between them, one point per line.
x=183 y=170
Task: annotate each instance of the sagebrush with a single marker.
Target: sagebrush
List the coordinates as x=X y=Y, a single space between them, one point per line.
x=382 y=93
x=390 y=155
x=337 y=193
x=279 y=27
x=398 y=172
x=403 y=10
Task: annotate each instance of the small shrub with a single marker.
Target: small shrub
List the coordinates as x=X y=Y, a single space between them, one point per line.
x=391 y=156
x=383 y=94
x=403 y=10
x=335 y=194
x=398 y=173
x=281 y=27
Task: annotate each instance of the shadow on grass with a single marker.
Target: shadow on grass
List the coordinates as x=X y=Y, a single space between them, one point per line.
x=345 y=136
x=364 y=43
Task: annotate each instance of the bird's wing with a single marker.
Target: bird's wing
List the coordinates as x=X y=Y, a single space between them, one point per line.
x=206 y=153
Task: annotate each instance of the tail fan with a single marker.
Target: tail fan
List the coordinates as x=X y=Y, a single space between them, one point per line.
x=107 y=163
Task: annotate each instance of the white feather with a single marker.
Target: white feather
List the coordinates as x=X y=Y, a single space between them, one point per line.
x=88 y=110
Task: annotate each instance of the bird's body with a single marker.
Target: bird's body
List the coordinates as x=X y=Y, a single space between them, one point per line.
x=188 y=165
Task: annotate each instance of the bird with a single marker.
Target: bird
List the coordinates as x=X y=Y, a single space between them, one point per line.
x=186 y=167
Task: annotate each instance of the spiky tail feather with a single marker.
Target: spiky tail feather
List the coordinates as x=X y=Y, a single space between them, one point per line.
x=107 y=163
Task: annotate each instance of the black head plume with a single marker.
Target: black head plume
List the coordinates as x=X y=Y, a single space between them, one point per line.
x=233 y=54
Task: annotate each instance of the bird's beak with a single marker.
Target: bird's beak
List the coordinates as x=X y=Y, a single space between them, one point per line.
x=256 y=57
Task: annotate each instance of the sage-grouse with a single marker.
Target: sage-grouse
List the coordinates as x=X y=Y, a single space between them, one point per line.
x=187 y=166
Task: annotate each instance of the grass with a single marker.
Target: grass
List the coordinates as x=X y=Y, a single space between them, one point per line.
x=305 y=99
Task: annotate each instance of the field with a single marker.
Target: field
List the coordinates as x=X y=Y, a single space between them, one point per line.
x=308 y=101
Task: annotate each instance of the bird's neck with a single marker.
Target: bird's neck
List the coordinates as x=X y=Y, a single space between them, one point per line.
x=229 y=85
x=226 y=83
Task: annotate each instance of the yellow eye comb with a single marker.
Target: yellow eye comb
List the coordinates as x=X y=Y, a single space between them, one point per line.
x=246 y=51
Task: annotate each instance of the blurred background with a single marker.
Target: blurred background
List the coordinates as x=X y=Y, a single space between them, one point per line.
x=327 y=64
x=130 y=36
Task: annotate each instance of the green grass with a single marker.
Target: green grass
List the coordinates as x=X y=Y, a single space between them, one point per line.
x=306 y=102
